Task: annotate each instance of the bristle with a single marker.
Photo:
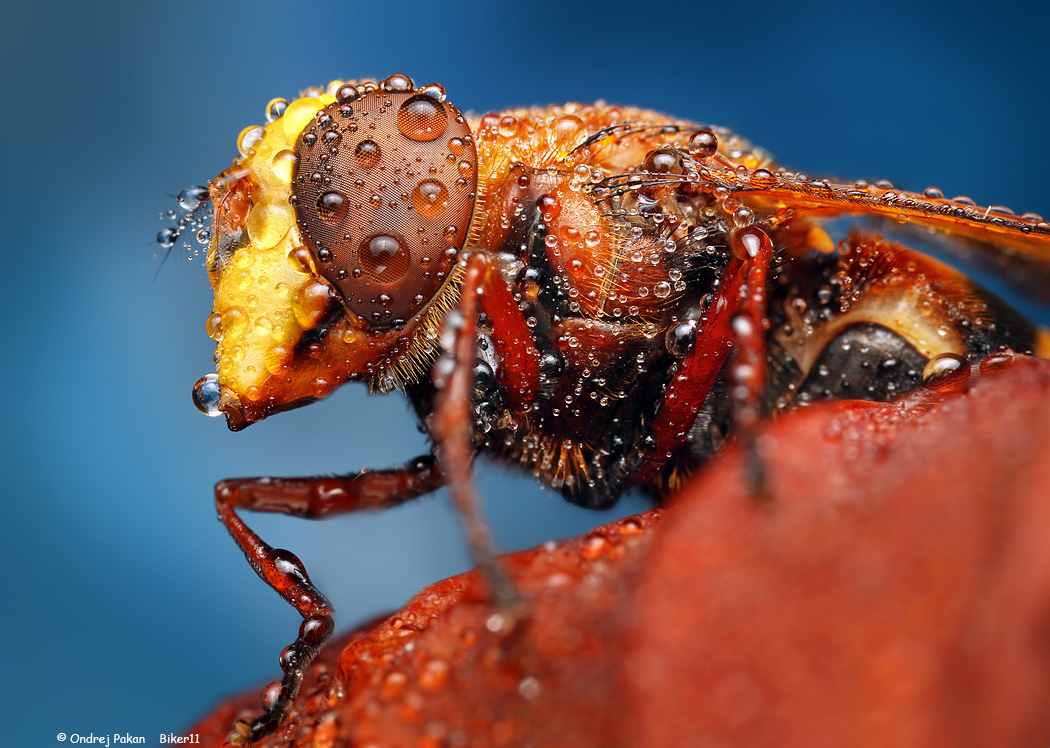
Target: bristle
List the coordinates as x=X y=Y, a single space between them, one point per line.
x=407 y=369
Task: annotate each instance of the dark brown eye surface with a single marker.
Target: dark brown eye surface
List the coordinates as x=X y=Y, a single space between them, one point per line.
x=380 y=180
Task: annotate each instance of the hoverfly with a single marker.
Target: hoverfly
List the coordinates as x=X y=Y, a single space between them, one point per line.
x=600 y=295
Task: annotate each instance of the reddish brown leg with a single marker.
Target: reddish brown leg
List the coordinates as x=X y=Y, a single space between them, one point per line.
x=735 y=316
x=519 y=370
x=313 y=498
x=483 y=289
x=748 y=373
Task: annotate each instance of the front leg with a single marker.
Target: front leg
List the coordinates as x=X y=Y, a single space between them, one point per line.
x=312 y=498
x=518 y=376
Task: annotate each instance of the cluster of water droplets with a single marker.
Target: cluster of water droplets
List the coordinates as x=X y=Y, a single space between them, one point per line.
x=192 y=222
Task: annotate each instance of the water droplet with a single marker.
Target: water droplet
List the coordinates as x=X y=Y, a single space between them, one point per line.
x=398 y=83
x=263 y=325
x=662 y=290
x=457 y=146
x=347 y=92
x=567 y=129
x=283 y=164
x=248 y=139
x=207 y=395
x=434 y=675
x=384 y=257
x=332 y=206
x=529 y=688
x=430 y=198
x=167 y=237
x=748 y=242
x=191 y=197
x=703 y=144
x=946 y=372
x=436 y=90
x=422 y=119
x=214 y=326
x=275 y=109
x=508 y=125
x=662 y=161
x=311 y=303
x=680 y=338
x=996 y=362
x=269 y=222
x=743 y=217
x=762 y=178
x=367 y=154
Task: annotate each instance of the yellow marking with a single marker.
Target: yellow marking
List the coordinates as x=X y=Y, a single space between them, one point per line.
x=1042 y=342
x=255 y=292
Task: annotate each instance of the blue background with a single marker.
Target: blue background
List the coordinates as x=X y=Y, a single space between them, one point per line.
x=126 y=607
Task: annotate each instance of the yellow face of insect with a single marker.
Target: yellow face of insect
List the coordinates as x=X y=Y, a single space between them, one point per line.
x=335 y=239
x=266 y=299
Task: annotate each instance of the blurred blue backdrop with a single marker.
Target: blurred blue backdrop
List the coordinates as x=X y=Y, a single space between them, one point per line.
x=129 y=609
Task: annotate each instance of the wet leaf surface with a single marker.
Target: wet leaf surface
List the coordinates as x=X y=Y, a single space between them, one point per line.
x=893 y=589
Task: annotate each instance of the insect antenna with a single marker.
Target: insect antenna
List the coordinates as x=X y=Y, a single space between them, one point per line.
x=194 y=214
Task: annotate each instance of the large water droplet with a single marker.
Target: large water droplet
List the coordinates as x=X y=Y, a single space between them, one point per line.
x=283 y=164
x=191 y=197
x=347 y=93
x=762 y=178
x=248 y=139
x=703 y=144
x=680 y=338
x=332 y=207
x=662 y=161
x=367 y=154
x=384 y=257
x=422 y=118
x=207 y=394
x=398 y=82
x=436 y=90
x=430 y=198
x=167 y=237
x=275 y=109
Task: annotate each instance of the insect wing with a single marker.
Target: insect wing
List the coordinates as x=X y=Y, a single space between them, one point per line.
x=1014 y=249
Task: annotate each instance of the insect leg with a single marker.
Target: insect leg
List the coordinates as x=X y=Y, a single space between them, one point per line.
x=748 y=372
x=483 y=289
x=313 y=498
x=735 y=316
x=519 y=361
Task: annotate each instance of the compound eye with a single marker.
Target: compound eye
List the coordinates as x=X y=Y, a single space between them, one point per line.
x=384 y=190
